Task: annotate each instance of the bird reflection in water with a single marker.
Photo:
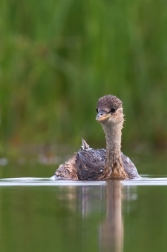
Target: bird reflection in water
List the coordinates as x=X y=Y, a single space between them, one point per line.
x=110 y=202
x=105 y=202
x=111 y=231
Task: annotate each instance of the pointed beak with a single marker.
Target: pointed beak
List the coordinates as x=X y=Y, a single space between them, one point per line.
x=98 y=116
x=101 y=116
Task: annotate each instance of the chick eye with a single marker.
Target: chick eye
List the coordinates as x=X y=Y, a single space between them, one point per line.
x=97 y=110
x=112 y=110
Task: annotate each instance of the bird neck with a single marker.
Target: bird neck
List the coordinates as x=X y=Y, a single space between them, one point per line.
x=113 y=164
x=113 y=134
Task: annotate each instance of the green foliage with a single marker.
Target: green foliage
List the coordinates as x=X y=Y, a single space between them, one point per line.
x=58 y=57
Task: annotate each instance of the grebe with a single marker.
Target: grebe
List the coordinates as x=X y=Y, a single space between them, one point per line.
x=101 y=164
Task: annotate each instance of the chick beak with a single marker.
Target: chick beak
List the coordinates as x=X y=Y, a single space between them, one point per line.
x=101 y=116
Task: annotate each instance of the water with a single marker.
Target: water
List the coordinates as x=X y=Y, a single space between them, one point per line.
x=39 y=214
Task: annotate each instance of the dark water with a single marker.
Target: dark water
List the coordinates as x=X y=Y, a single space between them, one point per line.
x=41 y=215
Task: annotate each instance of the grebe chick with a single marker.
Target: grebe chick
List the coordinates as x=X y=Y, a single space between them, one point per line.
x=101 y=164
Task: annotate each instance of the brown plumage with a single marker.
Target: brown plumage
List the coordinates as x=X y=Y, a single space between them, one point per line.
x=108 y=102
x=101 y=164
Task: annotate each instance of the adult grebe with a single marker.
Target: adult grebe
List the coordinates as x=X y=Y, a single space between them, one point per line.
x=101 y=164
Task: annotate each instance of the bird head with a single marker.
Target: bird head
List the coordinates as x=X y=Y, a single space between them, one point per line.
x=109 y=110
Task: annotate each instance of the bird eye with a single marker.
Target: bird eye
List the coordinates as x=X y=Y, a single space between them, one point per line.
x=112 y=110
x=97 y=110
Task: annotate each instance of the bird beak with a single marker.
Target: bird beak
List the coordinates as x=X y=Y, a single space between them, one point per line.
x=102 y=116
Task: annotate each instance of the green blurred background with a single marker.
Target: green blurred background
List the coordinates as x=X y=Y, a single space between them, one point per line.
x=58 y=57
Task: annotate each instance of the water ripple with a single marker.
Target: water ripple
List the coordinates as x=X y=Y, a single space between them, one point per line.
x=33 y=181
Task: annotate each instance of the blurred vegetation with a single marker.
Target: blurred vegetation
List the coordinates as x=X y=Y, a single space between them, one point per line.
x=58 y=57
